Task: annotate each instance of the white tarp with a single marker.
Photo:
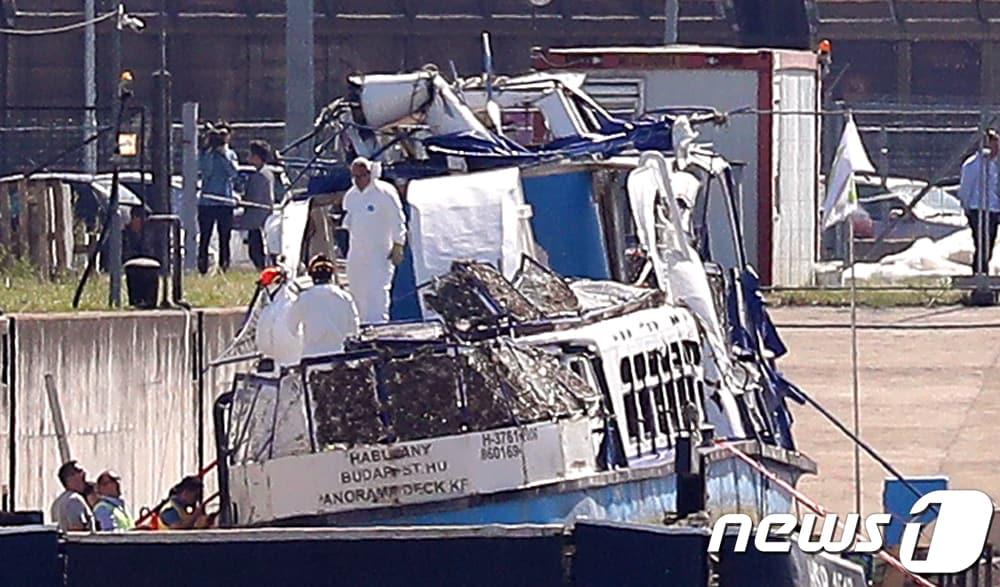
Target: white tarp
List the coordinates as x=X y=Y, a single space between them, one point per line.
x=284 y=231
x=475 y=216
x=947 y=257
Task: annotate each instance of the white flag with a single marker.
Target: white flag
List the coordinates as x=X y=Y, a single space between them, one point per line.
x=841 y=193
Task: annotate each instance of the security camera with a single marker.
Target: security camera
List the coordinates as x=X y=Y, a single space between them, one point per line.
x=540 y=3
x=135 y=24
x=125 y=20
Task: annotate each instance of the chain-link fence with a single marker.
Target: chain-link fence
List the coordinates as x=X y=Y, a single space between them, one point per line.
x=911 y=227
x=32 y=137
x=242 y=133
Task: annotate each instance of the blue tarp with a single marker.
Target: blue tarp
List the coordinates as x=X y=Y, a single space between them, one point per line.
x=566 y=222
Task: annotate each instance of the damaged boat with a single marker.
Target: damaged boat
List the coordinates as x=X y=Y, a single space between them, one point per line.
x=575 y=325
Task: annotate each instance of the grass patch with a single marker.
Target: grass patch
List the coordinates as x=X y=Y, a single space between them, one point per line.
x=925 y=292
x=22 y=291
x=867 y=298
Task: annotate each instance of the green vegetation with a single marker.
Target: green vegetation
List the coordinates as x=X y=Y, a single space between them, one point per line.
x=22 y=291
x=873 y=299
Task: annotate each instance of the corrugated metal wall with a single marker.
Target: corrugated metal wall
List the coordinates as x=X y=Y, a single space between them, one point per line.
x=129 y=395
x=796 y=139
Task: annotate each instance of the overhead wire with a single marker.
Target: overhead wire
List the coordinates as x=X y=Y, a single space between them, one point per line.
x=60 y=29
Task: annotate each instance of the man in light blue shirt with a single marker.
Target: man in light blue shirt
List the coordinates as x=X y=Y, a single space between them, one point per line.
x=218 y=167
x=982 y=208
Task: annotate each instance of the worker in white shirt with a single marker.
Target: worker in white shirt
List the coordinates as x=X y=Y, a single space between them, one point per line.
x=325 y=311
x=982 y=207
x=374 y=218
x=277 y=337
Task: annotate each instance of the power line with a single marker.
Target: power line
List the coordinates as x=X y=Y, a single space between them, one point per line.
x=62 y=29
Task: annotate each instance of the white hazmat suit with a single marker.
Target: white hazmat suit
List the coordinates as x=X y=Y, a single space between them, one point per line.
x=327 y=316
x=277 y=336
x=376 y=222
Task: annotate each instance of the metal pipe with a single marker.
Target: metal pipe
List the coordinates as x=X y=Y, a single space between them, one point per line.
x=115 y=252
x=671 y=16
x=90 y=85
x=189 y=204
x=173 y=253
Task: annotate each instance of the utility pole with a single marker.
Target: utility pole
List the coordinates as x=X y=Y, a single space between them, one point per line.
x=189 y=203
x=113 y=70
x=90 y=86
x=161 y=143
x=671 y=12
x=300 y=103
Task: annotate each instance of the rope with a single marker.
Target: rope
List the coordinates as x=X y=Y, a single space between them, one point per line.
x=816 y=508
x=62 y=29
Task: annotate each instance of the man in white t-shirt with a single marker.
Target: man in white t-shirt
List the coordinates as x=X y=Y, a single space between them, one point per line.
x=70 y=510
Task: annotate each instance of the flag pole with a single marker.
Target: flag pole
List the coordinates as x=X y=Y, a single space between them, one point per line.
x=856 y=394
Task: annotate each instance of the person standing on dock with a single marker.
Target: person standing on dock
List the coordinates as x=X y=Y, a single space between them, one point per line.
x=325 y=311
x=377 y=226
x=260 y=192
x=110 y=511
x=218 y=167
x=70 y=510
x=982 y=210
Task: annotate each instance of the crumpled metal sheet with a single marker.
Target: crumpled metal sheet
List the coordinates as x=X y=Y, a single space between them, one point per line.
x=545 y=290
x=345 y=405
x=490 y=385
x=543 y=388
x=475 y=294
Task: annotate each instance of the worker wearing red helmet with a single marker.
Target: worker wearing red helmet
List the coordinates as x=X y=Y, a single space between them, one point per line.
x=278 y=337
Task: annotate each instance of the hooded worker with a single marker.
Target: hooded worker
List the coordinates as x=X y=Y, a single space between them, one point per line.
x=277 y=336
x=325 y=311
x=374 y=217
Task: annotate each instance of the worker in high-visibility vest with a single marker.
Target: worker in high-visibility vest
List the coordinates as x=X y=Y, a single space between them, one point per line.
x=185 y=509
x=110 y=511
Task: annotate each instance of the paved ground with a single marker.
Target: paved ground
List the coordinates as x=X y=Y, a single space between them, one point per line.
x=930 y=396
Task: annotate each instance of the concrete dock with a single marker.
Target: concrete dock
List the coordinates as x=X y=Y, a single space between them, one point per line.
x=930 y=396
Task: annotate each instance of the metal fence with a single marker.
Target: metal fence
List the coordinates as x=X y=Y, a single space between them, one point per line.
x=33 y=136
x=910 y=146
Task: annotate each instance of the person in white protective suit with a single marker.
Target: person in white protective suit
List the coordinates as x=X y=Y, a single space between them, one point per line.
x=325 y=311
x=374 y=218
x=277 y=337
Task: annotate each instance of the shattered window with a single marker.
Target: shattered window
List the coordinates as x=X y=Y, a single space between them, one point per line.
x=291 y=434
x=488 y=406
x=422 y=395
x=546 y=290
x=256 y=437
x=438 y=393
x=344 y=403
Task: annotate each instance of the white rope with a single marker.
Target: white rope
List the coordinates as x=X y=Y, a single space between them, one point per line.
x=62 y=29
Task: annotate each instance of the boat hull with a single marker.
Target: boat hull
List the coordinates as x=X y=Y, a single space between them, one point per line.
x=644 y=493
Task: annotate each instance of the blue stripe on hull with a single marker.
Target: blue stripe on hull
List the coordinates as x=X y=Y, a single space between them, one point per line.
x=731 y=486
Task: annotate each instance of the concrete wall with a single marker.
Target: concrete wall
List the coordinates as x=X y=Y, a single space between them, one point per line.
x=130 y=396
